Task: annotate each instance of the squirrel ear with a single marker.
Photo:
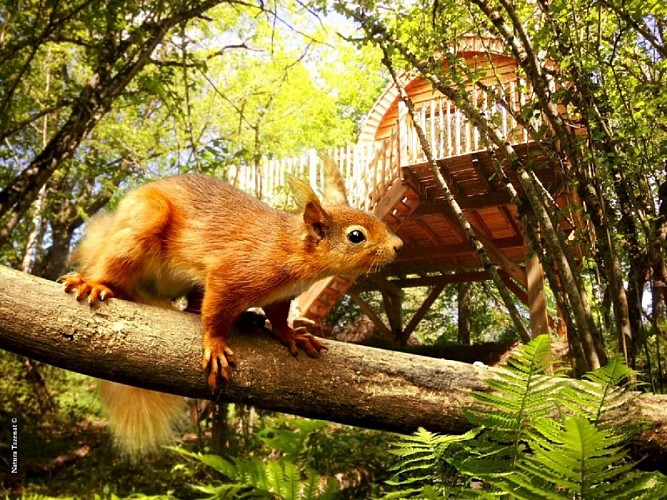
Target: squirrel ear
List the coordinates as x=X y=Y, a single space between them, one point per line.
x=314 y=215
x=335 y=192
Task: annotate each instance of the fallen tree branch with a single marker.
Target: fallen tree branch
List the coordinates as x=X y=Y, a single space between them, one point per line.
x=160 y=349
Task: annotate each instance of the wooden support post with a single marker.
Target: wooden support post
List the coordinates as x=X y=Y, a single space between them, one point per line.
x=393 y=306
x=537 y=307
x=392 y=299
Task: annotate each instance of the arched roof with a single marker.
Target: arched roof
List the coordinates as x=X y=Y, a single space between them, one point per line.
x=467 y=46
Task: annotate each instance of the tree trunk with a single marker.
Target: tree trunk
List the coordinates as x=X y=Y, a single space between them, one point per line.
x=54 y=263
x=161 y=350
x=464 y=307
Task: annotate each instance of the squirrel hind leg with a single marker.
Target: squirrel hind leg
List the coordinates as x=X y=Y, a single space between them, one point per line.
x=118 y=249
x=141 y=420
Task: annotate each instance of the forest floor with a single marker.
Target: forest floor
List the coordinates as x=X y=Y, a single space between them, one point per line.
x=79 y=461
x=67 y=451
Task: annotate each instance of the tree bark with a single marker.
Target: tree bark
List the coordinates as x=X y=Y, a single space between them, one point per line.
x=161 y=350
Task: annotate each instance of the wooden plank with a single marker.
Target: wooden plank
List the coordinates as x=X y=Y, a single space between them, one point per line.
x=309 y=297
x=389 y=200
x=495 y=199
x=454 y=250
x=430 y=235
x=444 y=279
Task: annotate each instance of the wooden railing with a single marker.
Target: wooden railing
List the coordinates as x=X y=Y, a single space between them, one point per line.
x=450 y=133
x=371 y=169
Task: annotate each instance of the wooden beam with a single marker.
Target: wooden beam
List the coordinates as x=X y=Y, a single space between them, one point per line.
x=516 y=289
x=337 y=285
x=368 y=311
x=499 y=257
x=457 y=249
x=430 y=234
x=421 y=312
x=383 y=284
x=445 y=279
x=416 y=184
x=388 y=201
x=466 y=203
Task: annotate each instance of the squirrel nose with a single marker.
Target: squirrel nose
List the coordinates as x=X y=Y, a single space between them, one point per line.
x=398 y=244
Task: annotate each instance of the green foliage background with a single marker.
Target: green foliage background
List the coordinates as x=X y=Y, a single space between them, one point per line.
x=247 y=81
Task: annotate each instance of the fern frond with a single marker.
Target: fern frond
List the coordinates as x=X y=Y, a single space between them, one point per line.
x=421 y=461
x=215 y=462
x=603 y=398
x=534 y=357
x=253 y=478
x=522 y=393
x=581 y=460
x=538 y=439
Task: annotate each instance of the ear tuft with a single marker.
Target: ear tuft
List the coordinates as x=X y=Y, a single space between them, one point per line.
x=335 y=192
x=301 y=190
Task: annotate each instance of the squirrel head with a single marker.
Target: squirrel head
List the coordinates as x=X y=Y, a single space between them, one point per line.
x=343 y=239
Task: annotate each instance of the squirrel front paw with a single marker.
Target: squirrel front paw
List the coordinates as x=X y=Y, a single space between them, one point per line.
x=93 y=290
x=218 y=358
x=299 y=338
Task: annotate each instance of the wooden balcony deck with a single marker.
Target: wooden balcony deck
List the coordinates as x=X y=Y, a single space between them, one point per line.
x=392 y=178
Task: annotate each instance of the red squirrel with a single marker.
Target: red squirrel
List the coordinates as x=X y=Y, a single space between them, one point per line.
x=192 y=232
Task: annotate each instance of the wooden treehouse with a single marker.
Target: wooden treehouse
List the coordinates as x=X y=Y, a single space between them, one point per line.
x=387 y=173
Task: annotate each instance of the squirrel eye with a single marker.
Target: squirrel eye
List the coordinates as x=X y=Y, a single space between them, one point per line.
x=355 y=236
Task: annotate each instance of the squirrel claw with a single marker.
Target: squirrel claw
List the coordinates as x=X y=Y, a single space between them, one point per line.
x=218 y=358
x=301 y=339
x=93 y=290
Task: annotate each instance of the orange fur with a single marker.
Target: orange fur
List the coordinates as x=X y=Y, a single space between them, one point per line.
x=182 y=234
x=140 y=420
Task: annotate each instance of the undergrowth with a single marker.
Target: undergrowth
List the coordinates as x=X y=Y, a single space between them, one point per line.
x=286 y=477
x=536 y=436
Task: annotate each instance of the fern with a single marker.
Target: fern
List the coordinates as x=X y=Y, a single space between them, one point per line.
x=253 y=478
x=520 y=395
x=579 y=460
x=537 y=438
x=422 y=468
x=603 y=397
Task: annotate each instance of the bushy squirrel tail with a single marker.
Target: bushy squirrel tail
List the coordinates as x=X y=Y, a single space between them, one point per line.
x=141 y=420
